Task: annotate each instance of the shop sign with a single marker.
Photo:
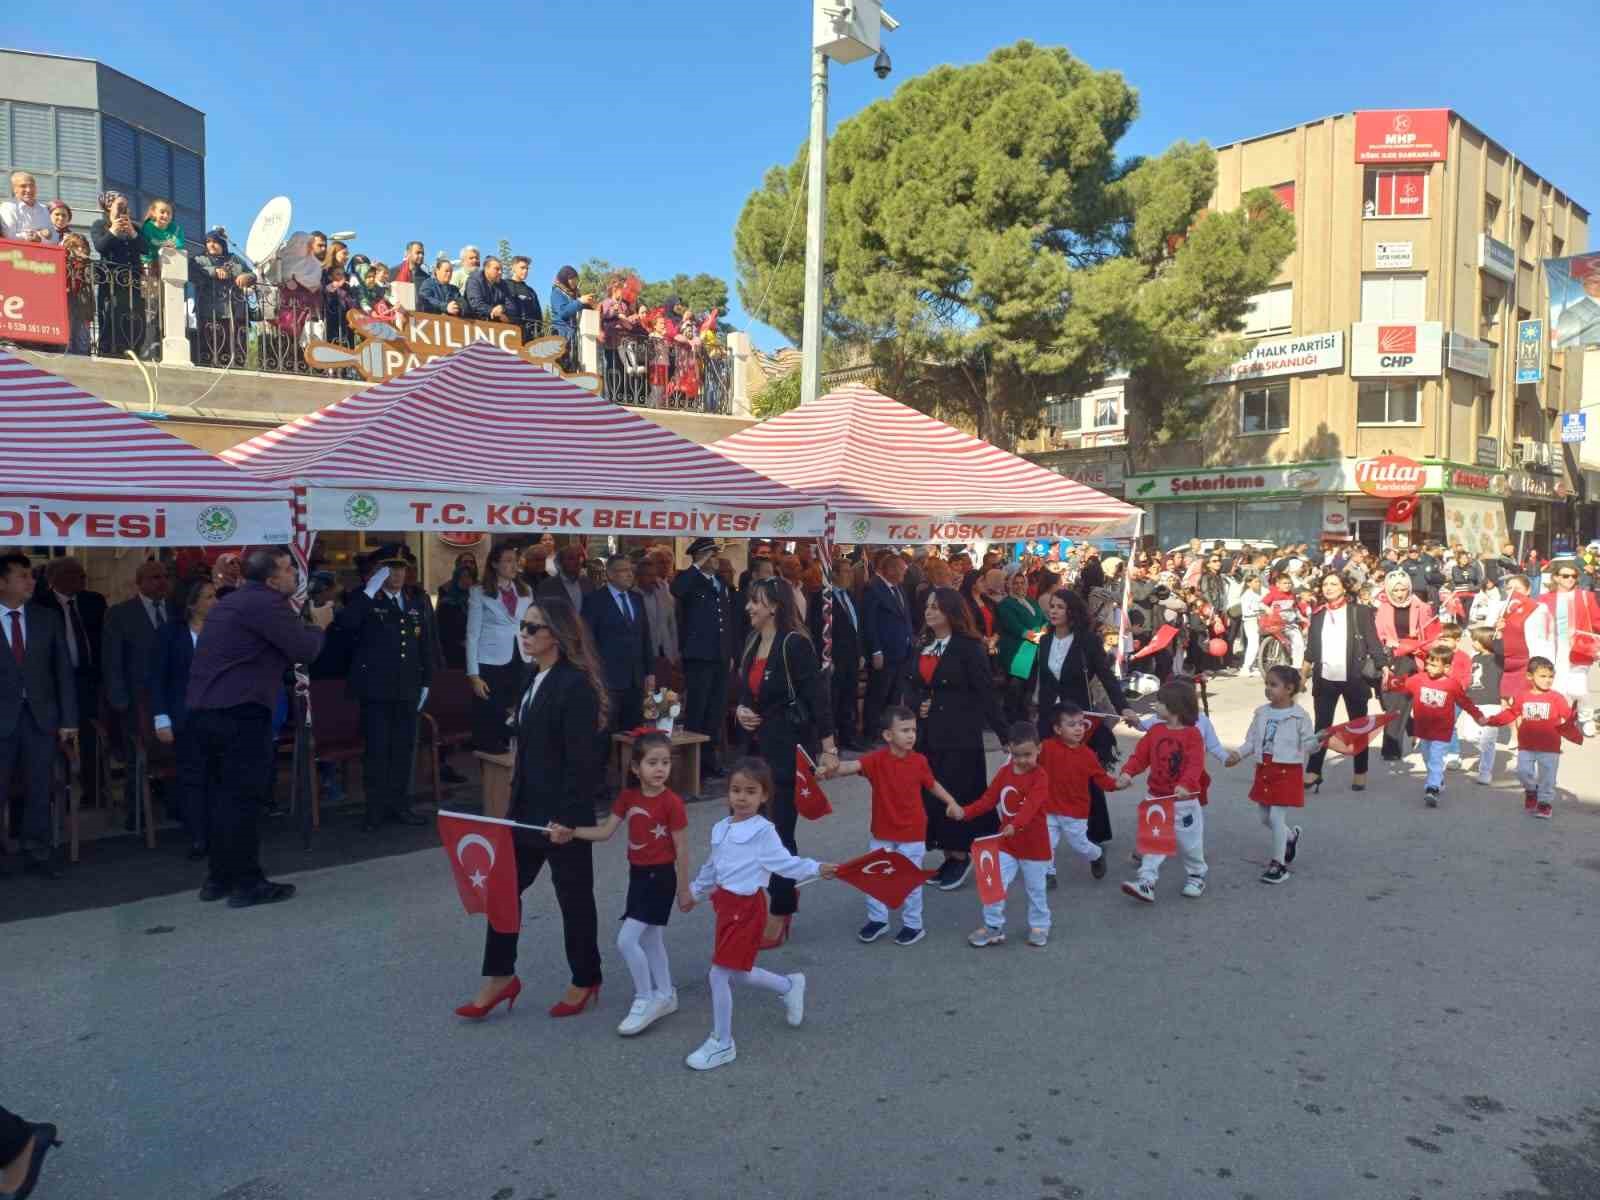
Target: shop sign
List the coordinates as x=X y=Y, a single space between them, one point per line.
x=1234 y=483
x=1468 y=355
x=1392 y=256
x=1384 y=349
x=1478 y=525
x=1335 y=516
x=1402 y=135
x=1102 y=475
x=1488 y=451
x=1463 y=480
x=1530 y=351
x=1390 y=477
x=1287 y=356
x=1543 y=487
x=1497 y=258
x=1573 y=426
x=461 y=541
x=33 y=293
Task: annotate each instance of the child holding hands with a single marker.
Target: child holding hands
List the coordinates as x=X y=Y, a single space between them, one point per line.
x=1280 y=737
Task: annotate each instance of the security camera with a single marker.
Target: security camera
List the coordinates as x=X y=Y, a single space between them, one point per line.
x=881 y=66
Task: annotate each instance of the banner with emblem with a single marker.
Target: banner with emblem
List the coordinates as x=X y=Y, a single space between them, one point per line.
x=113 y=520
x=870 y=529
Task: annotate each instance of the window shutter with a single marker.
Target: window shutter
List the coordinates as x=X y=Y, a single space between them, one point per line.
x=186 y=189
x=121 y=156
x=155 y=168
x=5 y=131
x=83 y=196
x=33 y=141
x=77 y=147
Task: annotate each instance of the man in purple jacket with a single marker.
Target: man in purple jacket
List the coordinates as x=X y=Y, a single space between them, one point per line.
x=250 y=639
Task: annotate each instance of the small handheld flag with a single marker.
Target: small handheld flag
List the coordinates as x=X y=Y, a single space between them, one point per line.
x=885 y=875
x=483 y=861
x=810 y=801
x=1354 y=736
x=986 y=858
x=1157 y=833
x=1161 y=640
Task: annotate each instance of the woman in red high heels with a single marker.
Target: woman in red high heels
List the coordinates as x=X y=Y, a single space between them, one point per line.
x=560 y=770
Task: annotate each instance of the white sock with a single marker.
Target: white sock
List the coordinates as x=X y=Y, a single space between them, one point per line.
x=655 y=951
x=629 y=938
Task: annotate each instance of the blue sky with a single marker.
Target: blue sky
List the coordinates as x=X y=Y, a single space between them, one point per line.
x=634 y=131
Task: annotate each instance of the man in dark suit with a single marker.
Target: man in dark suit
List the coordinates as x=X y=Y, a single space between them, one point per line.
x=391 y=669
x=616 y=619
x=38 y=704
x=84 y=614
x=886 y=635
x=130 y=630
x=846 y=656
x=706 y=628
x=569 y=582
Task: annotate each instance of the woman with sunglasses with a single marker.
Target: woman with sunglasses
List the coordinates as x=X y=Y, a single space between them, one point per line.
x=560 y=770
x=783 y=702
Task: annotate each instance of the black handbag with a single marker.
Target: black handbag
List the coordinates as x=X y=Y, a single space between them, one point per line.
x=796 y=709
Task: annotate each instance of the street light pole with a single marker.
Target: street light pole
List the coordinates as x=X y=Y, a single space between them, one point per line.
x=816 y=200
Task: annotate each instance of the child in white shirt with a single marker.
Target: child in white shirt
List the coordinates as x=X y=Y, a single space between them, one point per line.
x=1280 y=737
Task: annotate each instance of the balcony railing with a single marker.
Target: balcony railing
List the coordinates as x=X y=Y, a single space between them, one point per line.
x=657 y=373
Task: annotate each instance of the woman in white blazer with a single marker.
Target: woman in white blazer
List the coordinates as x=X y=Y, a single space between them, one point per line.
x=495 y=666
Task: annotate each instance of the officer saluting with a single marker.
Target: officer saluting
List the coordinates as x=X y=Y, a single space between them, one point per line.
x=390 y=671
x=705 y=631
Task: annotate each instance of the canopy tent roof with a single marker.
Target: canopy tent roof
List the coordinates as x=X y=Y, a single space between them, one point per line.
x=78 y=471
x=481 y=439
x=892 y=474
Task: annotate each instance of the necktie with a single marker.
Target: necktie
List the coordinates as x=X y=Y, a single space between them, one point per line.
x=155 y=613
x=18 y=650
x=627 y=606
x=79 y=636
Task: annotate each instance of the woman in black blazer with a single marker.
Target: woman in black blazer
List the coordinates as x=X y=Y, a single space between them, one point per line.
x=1070 y=654
x=171 y=657
x=560 y=770
x=783 y=702
x=1322 y=655
x=950 y=686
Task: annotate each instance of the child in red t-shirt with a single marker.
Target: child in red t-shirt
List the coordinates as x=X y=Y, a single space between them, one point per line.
x=1073 y=765
x=1174 y=753
x=1435 y=696
x=898 y=775
x=1020 y=790
x=658 y=872
x=1543 y=716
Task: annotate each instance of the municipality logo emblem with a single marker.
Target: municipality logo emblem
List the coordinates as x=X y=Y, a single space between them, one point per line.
x=361 y=510
x=859 y=528
x=783 y=522
x=216 y=523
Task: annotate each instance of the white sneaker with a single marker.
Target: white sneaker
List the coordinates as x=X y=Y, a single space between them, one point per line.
x=668 y=1003
x=640 y=1013
x=1452 y=762
x=1194 y=886
x=711 y=1055
x=794 y=1000
x=1038 y=938
x=1139 y=890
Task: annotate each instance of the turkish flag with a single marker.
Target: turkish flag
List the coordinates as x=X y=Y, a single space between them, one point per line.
x=1585 y=648
x=986 y=857
x=1157 y=834
x=1160 y=642
x=484 y=863
x=885 y=875
x=1353 y=736
x=809 y=799
x=1430 y=633
x=1401 y=511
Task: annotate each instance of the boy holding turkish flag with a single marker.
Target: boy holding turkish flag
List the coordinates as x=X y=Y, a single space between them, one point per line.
x=1020 y=791
x=1174 y=753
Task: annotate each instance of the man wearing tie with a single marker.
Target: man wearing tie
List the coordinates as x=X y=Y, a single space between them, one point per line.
x=390 y=671
x=616 y=618
x=38 y=704
x=886 y=635
x=569 y=581
x=130 y=631
x=705 y=626
x=84 y=615
x=846 y=656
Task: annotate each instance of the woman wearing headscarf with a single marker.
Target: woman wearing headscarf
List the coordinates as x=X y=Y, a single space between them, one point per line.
x=119 y=303
x=455 y=600
x=1400 y=615
x=1020 y=622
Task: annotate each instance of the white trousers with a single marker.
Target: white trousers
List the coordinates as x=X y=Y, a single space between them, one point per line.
x=1297 y=646
x=1485 y=737
x=1252 y=645
x=1034 y=872
x=1276 y=818
x=1190 y=819
x=911 y=910
x=1076 y=831
x=1537 y=771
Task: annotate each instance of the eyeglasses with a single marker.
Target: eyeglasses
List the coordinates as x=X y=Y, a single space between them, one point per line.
x=1566 y=574
x=532 y=627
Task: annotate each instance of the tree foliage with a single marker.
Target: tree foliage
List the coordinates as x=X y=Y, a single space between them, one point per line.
x=700 y=292
x=990 y=248
x=779 y=396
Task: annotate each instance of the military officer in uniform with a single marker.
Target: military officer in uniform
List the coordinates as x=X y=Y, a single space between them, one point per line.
x=390 y=671
x=706 y=633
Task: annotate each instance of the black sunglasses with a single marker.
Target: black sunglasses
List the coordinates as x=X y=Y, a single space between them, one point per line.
x=1566 y=574
x=531 y=627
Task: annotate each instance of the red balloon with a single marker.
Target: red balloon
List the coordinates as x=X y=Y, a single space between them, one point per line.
x=1217 y=648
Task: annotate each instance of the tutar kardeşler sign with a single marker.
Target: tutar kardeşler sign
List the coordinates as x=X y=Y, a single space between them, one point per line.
x=33 y=293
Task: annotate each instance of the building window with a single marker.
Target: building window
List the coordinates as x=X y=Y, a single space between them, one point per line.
x=1382 y=403
x=1393 y=296
x=1490 y=306
x=1065 y=413
x=1285 y=194
x=1485 y=412
x=1529 y=250
x=1558 y=246
x=1400 y=193
x=1107 y=412
x=1264 y=409
x=1271 y=311
x=1491 y=214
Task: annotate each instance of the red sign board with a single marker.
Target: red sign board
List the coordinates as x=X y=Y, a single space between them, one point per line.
x=1402 y=135
x=1391 y=477
x=33 y=293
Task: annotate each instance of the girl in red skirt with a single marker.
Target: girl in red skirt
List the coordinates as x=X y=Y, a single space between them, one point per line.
x=745 y=852
x=1281 y=735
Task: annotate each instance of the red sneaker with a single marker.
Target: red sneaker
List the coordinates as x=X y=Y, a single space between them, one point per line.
x=1543 y=812
x=1530 y=801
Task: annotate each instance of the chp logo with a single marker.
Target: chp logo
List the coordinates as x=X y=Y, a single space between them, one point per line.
x=1390 y=477
x=361 y=510
x=216 y=523
x=1397 y=345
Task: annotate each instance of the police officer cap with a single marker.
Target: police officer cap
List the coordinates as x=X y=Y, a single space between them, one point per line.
x=392 y=554
x=701 y=544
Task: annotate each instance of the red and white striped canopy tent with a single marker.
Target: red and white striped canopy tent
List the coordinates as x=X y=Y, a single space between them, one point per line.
x=892 y=475
x=77 y=471
x=481 y=440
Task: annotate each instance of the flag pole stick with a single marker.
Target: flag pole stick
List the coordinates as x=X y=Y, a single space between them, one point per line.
x=444 y=812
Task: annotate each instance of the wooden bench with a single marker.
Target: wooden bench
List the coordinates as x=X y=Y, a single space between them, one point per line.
x=685 y=778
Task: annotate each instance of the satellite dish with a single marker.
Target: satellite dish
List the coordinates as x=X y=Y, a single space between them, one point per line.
x=268 y=230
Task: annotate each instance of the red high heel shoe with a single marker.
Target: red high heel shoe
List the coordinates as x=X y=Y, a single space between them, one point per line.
x=561 y=1008
x=509 y=994
x=783 y=935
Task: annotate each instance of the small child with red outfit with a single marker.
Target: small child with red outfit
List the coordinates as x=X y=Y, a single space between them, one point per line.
x=1174 y=753
x=898 y=775
x=1020 y=791
x=1543 y=716
x=1435 y=696
x=1280 y=737
x=658 y=872
x=1072 y=765
x=746 y=852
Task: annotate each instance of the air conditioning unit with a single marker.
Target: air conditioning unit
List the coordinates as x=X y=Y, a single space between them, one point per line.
x=1547 y=455
x=1527 y=451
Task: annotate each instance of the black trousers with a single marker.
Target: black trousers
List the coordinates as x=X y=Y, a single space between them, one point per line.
x=389 y=728
x=884 y=688
x=783 y=900
x=1325 y=698
x=14 y=1135
x=846 y=720
x=627 y=708
x=572 y=873
x=489 y=732
x=192 y=800
x=34 y=749
x=235 y=748
x=1016 y=699
x=705 y=703
x=89 y=747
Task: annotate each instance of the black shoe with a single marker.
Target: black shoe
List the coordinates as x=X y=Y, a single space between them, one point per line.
x=450 y=775
x=273 y=810
x=1276 y=872
x=1430 y=797
x=265 y=892
x=44 y=1140
x=1294 y=845
x=1050 y=882
x=872 y=931
x=954 y=873
x=404 y=816
x=1098 y=867
x=44 y=868
x=212 y=890
x=908 y=936
x=197 y=852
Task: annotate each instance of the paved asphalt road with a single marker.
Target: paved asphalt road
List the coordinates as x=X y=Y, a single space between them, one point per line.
x=1413 y=1015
